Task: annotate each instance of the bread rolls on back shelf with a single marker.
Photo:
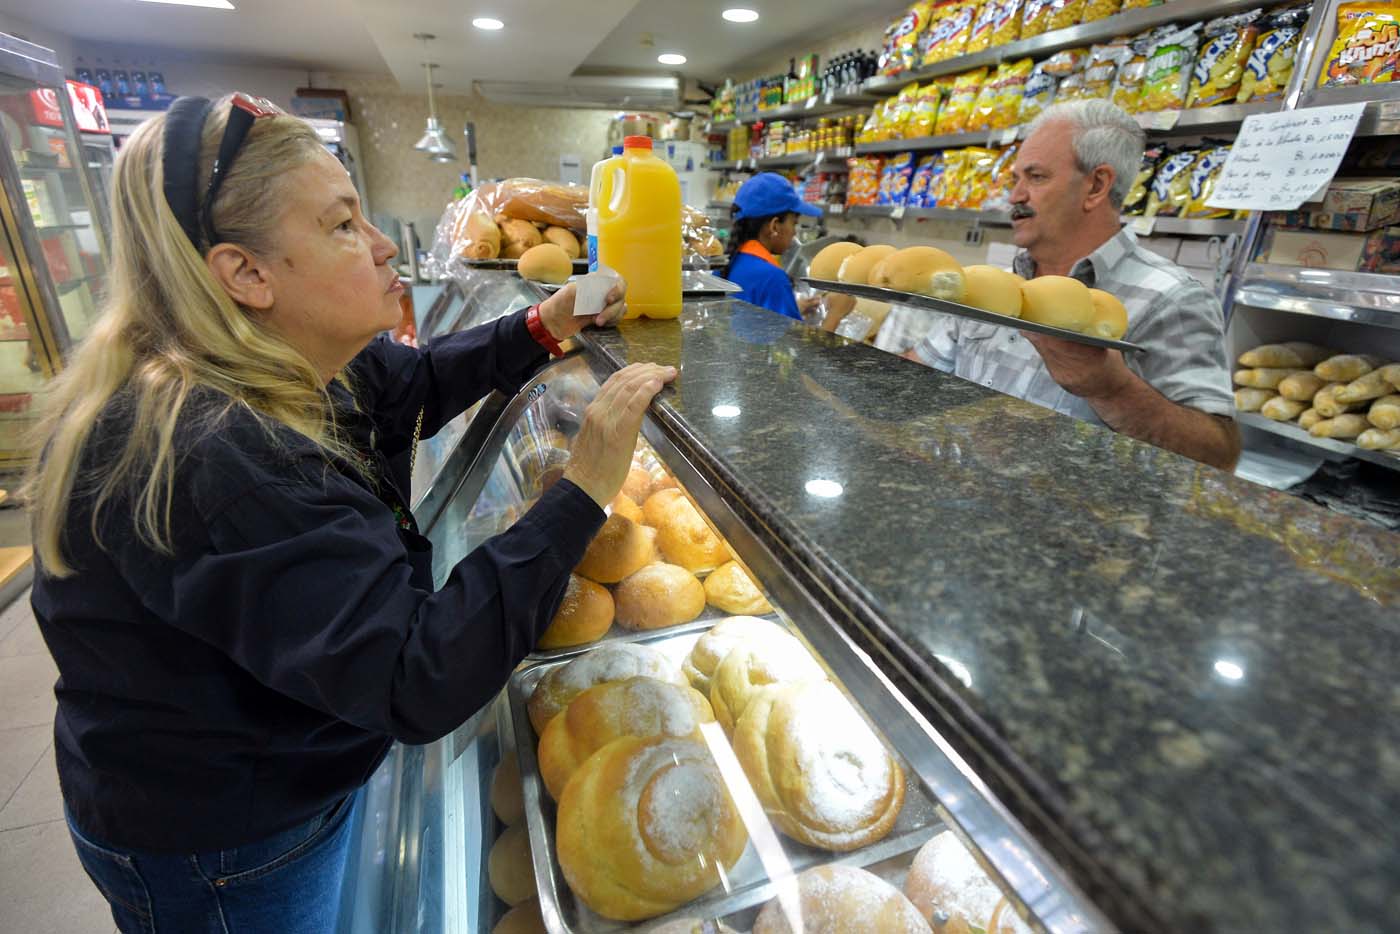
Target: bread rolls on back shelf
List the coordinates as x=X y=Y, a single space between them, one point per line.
x=509 y=867
x=1326 y=402
x=1252 y=400
x=1372 y=385
x=843 y=900
x=1264 y=377
x=1282 y=410
x=1346 y=367
x=1385 y=412
x=1301 y=386
x=1379 y=439
x=1290 y=354
x=1342 y=426
x=584 y=615
x=621 y=548
x=613 y=661
x=1309 y=418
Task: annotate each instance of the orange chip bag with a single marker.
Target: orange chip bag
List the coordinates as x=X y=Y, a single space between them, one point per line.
x=999 y=191
x=955 y=113
x=1367 y=47
x=947 y=37
x=863 y=183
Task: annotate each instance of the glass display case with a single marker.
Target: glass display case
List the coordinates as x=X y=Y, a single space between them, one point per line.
x=53 y=237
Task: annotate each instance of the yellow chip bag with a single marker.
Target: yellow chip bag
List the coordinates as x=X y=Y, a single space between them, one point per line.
x=1038 y=94
x=1171 y=186
x=1367 y=48
x=1152 y=157
x=1010 y=90
x=1167 y=77
x=925 y=112
x=899 y=113
x=1064 y=14
x=985 y=105
x=902 y=38
x=1221 y=64
x=1270 y=65
x=999 y=191
x=1095 y=10
x=947 y=37
x=977 y=175
x=1036 y=18
x=980 y=38
x=1138 y=4
x=1102 y=69
x=1203 y=175
x=1007 y=27
x=948 y=188
x=955 y=113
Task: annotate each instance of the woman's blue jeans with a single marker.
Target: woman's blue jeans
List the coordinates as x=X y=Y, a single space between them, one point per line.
x=288 y=883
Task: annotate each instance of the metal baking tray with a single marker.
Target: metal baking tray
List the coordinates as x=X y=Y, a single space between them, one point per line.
x=748 y=885
x=695 y=283
x=914 y=300
x=581 y=265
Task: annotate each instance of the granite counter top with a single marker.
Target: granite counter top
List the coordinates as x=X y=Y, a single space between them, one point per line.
x=1197 y=678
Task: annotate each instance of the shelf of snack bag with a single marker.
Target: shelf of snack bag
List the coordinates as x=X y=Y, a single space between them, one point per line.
x=807 y=90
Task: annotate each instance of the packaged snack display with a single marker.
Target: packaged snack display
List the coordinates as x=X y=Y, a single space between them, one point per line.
x=999 y=100
x=925 y=113
x=1136 y=202
x=1064 y=14
x=895 y=179
x=946 y=187
x=901 y=111
x=1095 y=10
x=1007 y=27
x=1221 y=64
x=978 y=162
x=1270 y=65
x=1071 y=87
x=999 y=190
x=982 y=25
x=1138 y=4
x=948 y=34
x=955 y=112
x=1203 y=175
x=1167 y=77
x=863 y=183
x=1367 y=47
x=1066 y=62
x=1036 y=18
x=1102 y=68
x=919 y=186
x=1171 y=186
x=1127 y=86
x=902 y=38
x=1039 y=93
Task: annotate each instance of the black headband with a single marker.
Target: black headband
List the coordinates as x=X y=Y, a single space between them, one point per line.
x=184 y=129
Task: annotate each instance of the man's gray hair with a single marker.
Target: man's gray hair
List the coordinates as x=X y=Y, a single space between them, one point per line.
x=1104 y=134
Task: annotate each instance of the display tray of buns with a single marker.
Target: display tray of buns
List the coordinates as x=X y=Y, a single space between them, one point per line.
x=687 y=779
x=695 y=283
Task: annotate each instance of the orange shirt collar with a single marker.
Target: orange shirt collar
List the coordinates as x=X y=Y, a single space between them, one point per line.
x=754 y=248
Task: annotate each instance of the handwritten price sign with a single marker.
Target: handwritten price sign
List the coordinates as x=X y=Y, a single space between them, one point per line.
x=1280 y=161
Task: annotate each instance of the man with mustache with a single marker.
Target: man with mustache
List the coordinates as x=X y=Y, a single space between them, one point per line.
x=1072 y=174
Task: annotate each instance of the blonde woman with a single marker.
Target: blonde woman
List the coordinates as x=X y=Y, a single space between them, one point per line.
x=240 y=606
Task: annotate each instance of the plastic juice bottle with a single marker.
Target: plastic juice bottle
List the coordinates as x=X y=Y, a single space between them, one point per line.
x=590 y=215
x=637 y=198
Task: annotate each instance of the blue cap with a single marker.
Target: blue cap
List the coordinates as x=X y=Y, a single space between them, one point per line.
x=768 y=194
x=617 y=150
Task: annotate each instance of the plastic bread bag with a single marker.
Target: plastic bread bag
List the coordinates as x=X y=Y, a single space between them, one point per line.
x=1167 y=77
x=1220 y=66
x=1202 y=177
x=1101 y=70
x=925 y=112
x=1270 y=65
x=918 y=187
x=540 y=202
x=1095 y=10
x=698 y=232
x=1036 y=18
x=1152 y=157
x=999 y=191
x=947 y=37
x=902 y=41
x=1171 y=186
x=1064 y=14
x=1009 y=91
x=1367 y=47
x=1066 y=62
x=953 y=116
x=980 y=39
x=1041 y=88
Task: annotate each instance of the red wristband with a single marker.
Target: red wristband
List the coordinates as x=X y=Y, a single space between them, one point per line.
x=540 y=333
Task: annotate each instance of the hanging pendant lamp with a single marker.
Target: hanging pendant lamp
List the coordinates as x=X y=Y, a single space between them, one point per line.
x=434 y=141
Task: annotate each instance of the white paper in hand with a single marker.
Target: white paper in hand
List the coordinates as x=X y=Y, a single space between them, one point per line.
x=591 y=291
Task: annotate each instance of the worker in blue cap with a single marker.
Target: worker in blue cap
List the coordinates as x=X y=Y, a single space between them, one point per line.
x=765 y=225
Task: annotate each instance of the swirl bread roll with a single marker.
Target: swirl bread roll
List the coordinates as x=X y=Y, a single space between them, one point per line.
x=511 y=871
x=620 y=548
x=642 y=707
x=507 y=795
x=657 y=596
x=616 y=661
x=524 y=918
x=843 y=900
x=947 y=886
x=752 y=666
x=682 y=534
x=726 y=635
x=646 y=825
x=730 y=588
x=824 y=778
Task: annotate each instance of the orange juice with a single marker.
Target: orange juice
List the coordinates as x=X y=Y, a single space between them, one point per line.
x=637 y=198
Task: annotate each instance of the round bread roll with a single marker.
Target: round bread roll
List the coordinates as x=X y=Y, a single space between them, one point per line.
x=524 y=918
x=637 y=486
x=584 y=615
x=1110 y=317
x=1058 y=301
x=926 y=270
x=827 y=263
x=646 y=825
x=620 y=548
x=730 y=588
x=752 y=666
x=615 y=661
x=641 y=707
x=726 y=635
x=509 y=866
x=517 y=236
x=546 y=263
x=657 y=506
x=507 y=795
x=843 y=900
x=993 y=289
x=822 y=775
x=564 y=238
x=657 y=596
x=682 y=534
x=855 y=268
x=945 y=883
x=661 y=480
x=624 y=505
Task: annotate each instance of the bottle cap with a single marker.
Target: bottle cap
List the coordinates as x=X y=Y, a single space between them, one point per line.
x=636 y=142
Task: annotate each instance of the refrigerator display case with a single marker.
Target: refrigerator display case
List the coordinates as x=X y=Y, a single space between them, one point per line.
x=54 y=237
x=1051 y=630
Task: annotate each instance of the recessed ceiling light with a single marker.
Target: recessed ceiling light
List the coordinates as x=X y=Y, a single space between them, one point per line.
x=740 y=15
x=671 y=58
x=488 y=23
x=206 y=4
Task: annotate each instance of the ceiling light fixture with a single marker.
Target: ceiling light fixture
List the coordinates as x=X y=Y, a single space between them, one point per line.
x=671 y=58
x=740 y=15
x=489 y=23
x=206 y=4
x=434 y=141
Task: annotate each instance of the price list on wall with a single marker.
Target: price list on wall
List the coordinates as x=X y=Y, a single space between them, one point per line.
x=1281 y=161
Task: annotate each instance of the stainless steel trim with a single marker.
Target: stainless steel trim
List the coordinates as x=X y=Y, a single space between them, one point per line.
x=1195 y=226
x=1358 y=297
x=27 y=60
x=1297 y=436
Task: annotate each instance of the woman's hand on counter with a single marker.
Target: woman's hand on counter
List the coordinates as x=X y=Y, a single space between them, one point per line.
x=557 y=311
x=602 y=451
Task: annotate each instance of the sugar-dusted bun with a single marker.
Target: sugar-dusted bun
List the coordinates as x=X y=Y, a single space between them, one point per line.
x=682 y=535
x=752 y=666
x=657 y=506
x=646 y=825
x=725 y=636
x=509 y=866
x=507 y=795
x=827 y=263
x=1057 y=301
x=730 y=588
x=524 y=918
x=926 y=270
x=563 y=238
x=945 y=882
x=636 y=707
x=621 y=547
x=842 y=900
x=661 y=480
x=584 y=615
x=613 y=661
x=657 y=596
x=823 y=776
x=624 y=505
x=637 y=486
x=992 y=288
x=855 y=269
x=547 y=262
x=1110 y=317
